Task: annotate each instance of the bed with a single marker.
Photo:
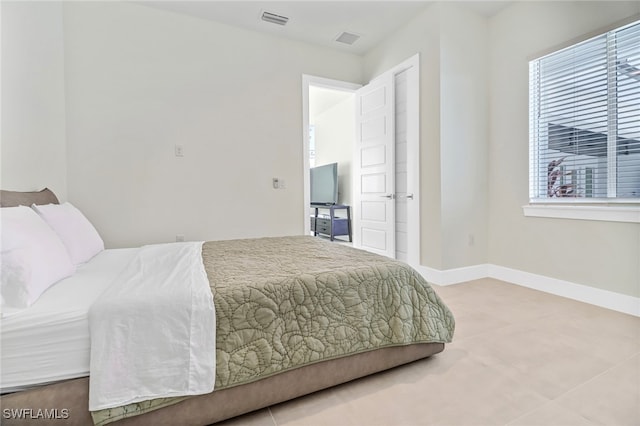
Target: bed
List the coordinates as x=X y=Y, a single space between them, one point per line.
x=293 y=315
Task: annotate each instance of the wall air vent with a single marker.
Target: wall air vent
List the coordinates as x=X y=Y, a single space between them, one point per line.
x=274 y=19
x=347 y=38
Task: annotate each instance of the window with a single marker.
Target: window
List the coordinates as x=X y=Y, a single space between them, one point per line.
x=584 y=121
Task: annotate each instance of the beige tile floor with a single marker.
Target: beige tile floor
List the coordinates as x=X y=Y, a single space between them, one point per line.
x=519 y=357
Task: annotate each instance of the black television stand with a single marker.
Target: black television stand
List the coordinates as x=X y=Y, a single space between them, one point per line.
x=332 y=226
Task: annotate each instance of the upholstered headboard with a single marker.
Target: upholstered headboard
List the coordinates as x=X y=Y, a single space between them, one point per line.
x=17 y=198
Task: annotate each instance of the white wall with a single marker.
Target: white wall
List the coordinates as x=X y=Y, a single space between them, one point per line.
x=334 y=134
x=141 y=80
x=421 y=35
x=33 y=145
x=452 y=43
x=474 y=175
x=604 y=255
x=464 y=140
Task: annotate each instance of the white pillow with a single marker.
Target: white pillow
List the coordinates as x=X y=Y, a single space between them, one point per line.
x=76 y=232
x=33 y=257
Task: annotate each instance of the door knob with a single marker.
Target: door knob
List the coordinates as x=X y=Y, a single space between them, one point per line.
x=408 y=196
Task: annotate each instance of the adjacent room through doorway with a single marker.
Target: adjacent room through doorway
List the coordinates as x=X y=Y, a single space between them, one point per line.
x=372 y=134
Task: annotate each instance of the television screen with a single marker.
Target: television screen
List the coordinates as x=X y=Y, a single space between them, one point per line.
x=324 y=184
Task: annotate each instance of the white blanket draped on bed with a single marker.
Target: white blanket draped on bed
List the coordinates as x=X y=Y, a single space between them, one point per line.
x=153 y=330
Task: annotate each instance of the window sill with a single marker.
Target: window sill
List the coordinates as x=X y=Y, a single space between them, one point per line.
x=629 y=214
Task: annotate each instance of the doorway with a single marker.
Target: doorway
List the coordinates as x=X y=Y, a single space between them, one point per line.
x=331 y=130
x=328 y=122
x=401 y=195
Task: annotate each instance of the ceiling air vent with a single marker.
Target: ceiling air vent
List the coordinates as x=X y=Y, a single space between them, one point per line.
x=274 y=19
x=347 y=38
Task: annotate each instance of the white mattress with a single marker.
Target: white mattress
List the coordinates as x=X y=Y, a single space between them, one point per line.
x=49 y=341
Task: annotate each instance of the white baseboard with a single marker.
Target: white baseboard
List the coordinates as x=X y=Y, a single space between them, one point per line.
x=453 y=276
x=583 y=293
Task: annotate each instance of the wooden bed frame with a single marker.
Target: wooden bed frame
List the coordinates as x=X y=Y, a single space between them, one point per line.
x=69 y=400
x=73 y=395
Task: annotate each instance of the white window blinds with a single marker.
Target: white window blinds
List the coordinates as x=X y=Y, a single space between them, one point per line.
x=585 y=120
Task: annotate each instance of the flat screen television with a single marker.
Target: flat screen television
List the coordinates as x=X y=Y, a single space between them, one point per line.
x=324 y=184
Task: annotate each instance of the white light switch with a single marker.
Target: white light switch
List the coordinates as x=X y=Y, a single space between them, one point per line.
x=179 y=151
x=278 y=183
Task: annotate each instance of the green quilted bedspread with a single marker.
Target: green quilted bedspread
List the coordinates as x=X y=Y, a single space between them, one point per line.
x=282 y=303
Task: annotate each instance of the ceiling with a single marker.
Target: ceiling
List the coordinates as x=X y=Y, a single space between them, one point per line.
x=318 y=22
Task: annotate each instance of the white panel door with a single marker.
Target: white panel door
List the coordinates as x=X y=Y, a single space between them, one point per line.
x=374 y=208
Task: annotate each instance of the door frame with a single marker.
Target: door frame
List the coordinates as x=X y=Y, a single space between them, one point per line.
x=307 y=81
x=412 y=65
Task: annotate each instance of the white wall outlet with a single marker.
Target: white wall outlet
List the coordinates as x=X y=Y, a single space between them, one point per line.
x=179 y=149
x=179 y=238
x=282 y=184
